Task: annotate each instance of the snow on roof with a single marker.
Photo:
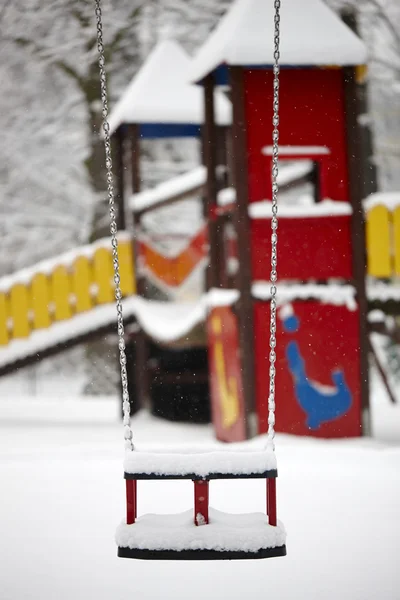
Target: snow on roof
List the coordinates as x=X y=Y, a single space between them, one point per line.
x=161 y=92
x=311 y=34
x=168 y=189
x=389 y=199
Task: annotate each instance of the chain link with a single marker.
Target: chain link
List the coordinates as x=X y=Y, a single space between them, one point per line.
x=113 y=230
x=274 y=228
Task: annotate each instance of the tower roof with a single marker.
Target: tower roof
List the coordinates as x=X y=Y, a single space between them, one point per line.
x=311 y=34
x=160 y=93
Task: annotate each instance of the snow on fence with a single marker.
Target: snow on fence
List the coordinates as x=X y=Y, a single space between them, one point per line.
x=58 y=289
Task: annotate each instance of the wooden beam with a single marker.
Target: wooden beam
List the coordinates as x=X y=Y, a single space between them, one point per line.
x=242 y=224
x=120 y=178
x=198 y=189
x=382 y=373
x=210 y=162
x=134 y=157
x=369 y=176
x=355 y=170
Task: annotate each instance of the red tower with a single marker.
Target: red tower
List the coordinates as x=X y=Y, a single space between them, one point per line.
x=322 y=370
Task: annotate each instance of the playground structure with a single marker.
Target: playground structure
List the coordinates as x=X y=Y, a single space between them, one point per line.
x=322 y=268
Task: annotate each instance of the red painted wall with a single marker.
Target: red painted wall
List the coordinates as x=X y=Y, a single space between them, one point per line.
x=310 y=248
x=311 y=114
x=328 y=340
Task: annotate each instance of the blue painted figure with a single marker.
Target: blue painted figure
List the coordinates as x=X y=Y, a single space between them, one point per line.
x=321 y=403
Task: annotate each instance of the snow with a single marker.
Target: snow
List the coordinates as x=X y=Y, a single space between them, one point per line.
x=196 y=178
x=163 y=321
x=310 y=35
x=325 y=208
x=389 y=199
x=168 y=321
x=378 y=290
x=222 y=297
x=297 y=150
x=226 y=196
x=24 y=276
x=161 y=92
x=63 y=495
x=247 y=532
x=332 y=293
x=64 y=331
x=290 y=173
x=172 y=461
x=176 y=186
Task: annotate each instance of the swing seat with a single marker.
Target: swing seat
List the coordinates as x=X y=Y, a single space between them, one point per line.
x=206 y=534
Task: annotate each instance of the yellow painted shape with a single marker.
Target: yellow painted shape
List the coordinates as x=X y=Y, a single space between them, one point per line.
x=4 y=314
x=378 y=242
x=125 y=254
x=82 y=278
x=361 y=73
x=60 y=293
x=19 y=311
x=227 y=386
x=103 y=275
x=40 y=300
x=396 y=239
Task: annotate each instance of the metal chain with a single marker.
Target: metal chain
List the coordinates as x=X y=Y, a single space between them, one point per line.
x=113 y=230
x=274 y=228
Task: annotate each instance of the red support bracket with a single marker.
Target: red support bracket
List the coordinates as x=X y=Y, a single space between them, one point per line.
x=271 y=501
x=200 y=501
x=131 y=501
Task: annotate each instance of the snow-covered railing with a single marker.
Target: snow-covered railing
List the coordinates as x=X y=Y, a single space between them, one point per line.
x=383 y=234
x=57 y=289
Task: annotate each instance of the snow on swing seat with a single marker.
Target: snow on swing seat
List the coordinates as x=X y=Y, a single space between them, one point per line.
x=226 y=536
x=176 y=463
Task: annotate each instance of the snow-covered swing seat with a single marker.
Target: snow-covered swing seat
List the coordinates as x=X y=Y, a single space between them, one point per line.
x=204 y=534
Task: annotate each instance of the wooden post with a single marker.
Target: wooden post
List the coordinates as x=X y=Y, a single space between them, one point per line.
x=200 y=502
x=120 y=178
x=135 y=158
x=242 y=225
x=369 y=176
x=142 y=351
x=210 y=162
x=358 y=233
x=271 y=501
x=142 y=372
x=131 y=501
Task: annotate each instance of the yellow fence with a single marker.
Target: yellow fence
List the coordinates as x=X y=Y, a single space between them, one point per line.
x=383 y=241
x=65 y=290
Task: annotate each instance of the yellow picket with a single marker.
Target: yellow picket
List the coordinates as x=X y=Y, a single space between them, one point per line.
x=19 y=311
x=4 y=315
x=125 y=254
x=60 y=293
x=40 y=300
x=396 y=239
x=378 y=242
x=103 y=275
x=82 y=279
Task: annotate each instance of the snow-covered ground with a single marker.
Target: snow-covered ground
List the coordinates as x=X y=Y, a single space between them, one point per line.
x=62 y=497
